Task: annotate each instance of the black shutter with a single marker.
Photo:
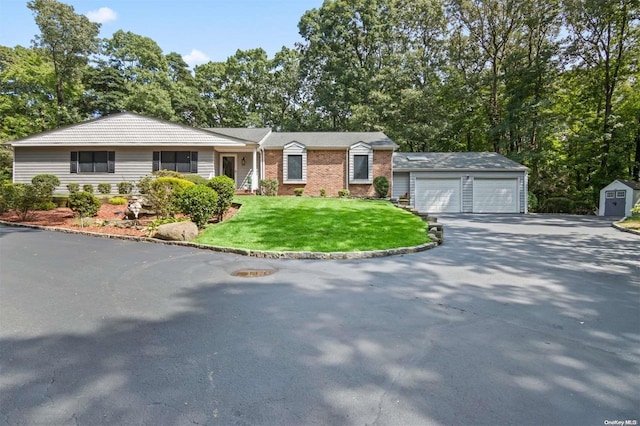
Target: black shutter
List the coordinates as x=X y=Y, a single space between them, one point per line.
x=194 y=162
x=156 y=161
x=74 y=162
x=111 y=162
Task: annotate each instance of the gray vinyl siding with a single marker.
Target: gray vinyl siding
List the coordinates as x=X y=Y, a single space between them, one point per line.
x=131 y=164
x=467 y=194
x=294 y=149
x=400 y=184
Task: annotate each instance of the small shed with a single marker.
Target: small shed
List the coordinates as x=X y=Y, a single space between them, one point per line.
x=619 y=197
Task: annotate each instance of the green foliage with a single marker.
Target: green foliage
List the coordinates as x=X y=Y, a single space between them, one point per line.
x=45 y=205
x=84 y=203
x=532 y=202
x=168 y=173
x=199 y=202
x=269 y=187
x=6 y=161
x=381 y=185
x=8 y=192
x=23 y=198
x=197 y=179
x=343 y=193
x=104 y=188
x=225 y=187
x=164 y=193
x=45 y=184
x=118 y=201
x=125 y=187
x=87 y=187
x=73 y=187
x=298 y=192
x=559 y=205
x=635 y=210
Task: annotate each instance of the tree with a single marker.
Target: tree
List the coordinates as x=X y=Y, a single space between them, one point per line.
x=68 y=40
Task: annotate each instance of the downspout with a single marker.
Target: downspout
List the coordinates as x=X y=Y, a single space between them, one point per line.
x=346 y=176
x=254 y=175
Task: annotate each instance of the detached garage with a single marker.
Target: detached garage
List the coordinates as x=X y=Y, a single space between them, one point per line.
x=460 y=182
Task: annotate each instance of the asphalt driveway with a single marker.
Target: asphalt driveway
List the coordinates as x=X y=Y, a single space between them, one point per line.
x=514 y=320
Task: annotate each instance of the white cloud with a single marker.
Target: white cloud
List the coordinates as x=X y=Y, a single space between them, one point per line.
x=102 y=15
x=196 y=57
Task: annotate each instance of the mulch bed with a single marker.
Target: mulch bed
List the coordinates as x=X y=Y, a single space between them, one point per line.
x=63 y=217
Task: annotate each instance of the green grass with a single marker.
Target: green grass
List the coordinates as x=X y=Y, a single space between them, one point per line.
x=632 y=222
x=316 y=224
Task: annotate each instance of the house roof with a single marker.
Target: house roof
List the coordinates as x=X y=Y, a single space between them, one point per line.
x=487 y=161
x=630 y=183
x=128 y=129
x=329 y=140
x=249 y=135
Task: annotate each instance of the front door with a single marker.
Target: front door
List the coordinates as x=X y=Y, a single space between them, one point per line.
x=614 y=203
x=229 y=166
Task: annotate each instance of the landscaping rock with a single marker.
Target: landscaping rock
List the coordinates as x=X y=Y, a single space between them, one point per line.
x=178 y=231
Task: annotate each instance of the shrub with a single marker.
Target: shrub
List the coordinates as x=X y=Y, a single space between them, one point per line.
x=199 y=202
x=118 y=201
x=168 y=173
x=45 y=184
x=104 y=188
x=197 y=179
x=323 y=192
x=73 y=187
x=559 y=205
x=298 y=192
x=163 y=194
x=381 y=185
x=635 y=210
x=25 y=197
x=84 y=203
x=532 y=201
x=144 y=184
x=87 y=188
x=8 y=193
x=45 y=205
x=125 y=187
x=225 y=187
x=343 y=193
x=269 y=187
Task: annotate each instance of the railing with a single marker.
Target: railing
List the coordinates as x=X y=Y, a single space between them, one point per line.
x=246 y=183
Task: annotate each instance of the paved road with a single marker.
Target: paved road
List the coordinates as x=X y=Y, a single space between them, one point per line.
x=515 y=320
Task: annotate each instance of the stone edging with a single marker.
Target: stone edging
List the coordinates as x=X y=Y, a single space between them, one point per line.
x=623 y=229
x=244 y=252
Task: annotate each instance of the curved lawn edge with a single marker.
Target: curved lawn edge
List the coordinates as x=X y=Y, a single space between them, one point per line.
x=623 y=229
x=350 y=255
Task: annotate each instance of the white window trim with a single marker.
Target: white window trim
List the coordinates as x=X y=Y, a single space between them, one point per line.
x=294 y=148
x=360 y=148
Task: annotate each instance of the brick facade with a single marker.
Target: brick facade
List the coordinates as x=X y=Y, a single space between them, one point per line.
x=326 y=169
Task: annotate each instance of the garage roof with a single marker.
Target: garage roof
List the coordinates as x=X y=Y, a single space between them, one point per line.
x=413 y=161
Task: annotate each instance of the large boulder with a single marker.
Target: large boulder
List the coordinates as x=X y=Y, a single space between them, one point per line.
x=177 y=231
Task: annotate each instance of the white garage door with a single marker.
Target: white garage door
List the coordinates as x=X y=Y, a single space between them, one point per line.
x=495 y=196
x=438 y=195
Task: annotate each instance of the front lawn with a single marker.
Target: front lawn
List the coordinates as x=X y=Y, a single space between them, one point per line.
x=632 y=222
x=316 y=224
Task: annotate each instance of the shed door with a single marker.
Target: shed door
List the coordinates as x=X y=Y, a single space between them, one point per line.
x=438 y=195
x=495 y=196
x=615 y=203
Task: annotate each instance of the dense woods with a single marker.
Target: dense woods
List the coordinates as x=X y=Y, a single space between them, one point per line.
x=552 y=84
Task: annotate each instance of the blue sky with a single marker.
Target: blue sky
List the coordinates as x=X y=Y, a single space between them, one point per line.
x=199 y=30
